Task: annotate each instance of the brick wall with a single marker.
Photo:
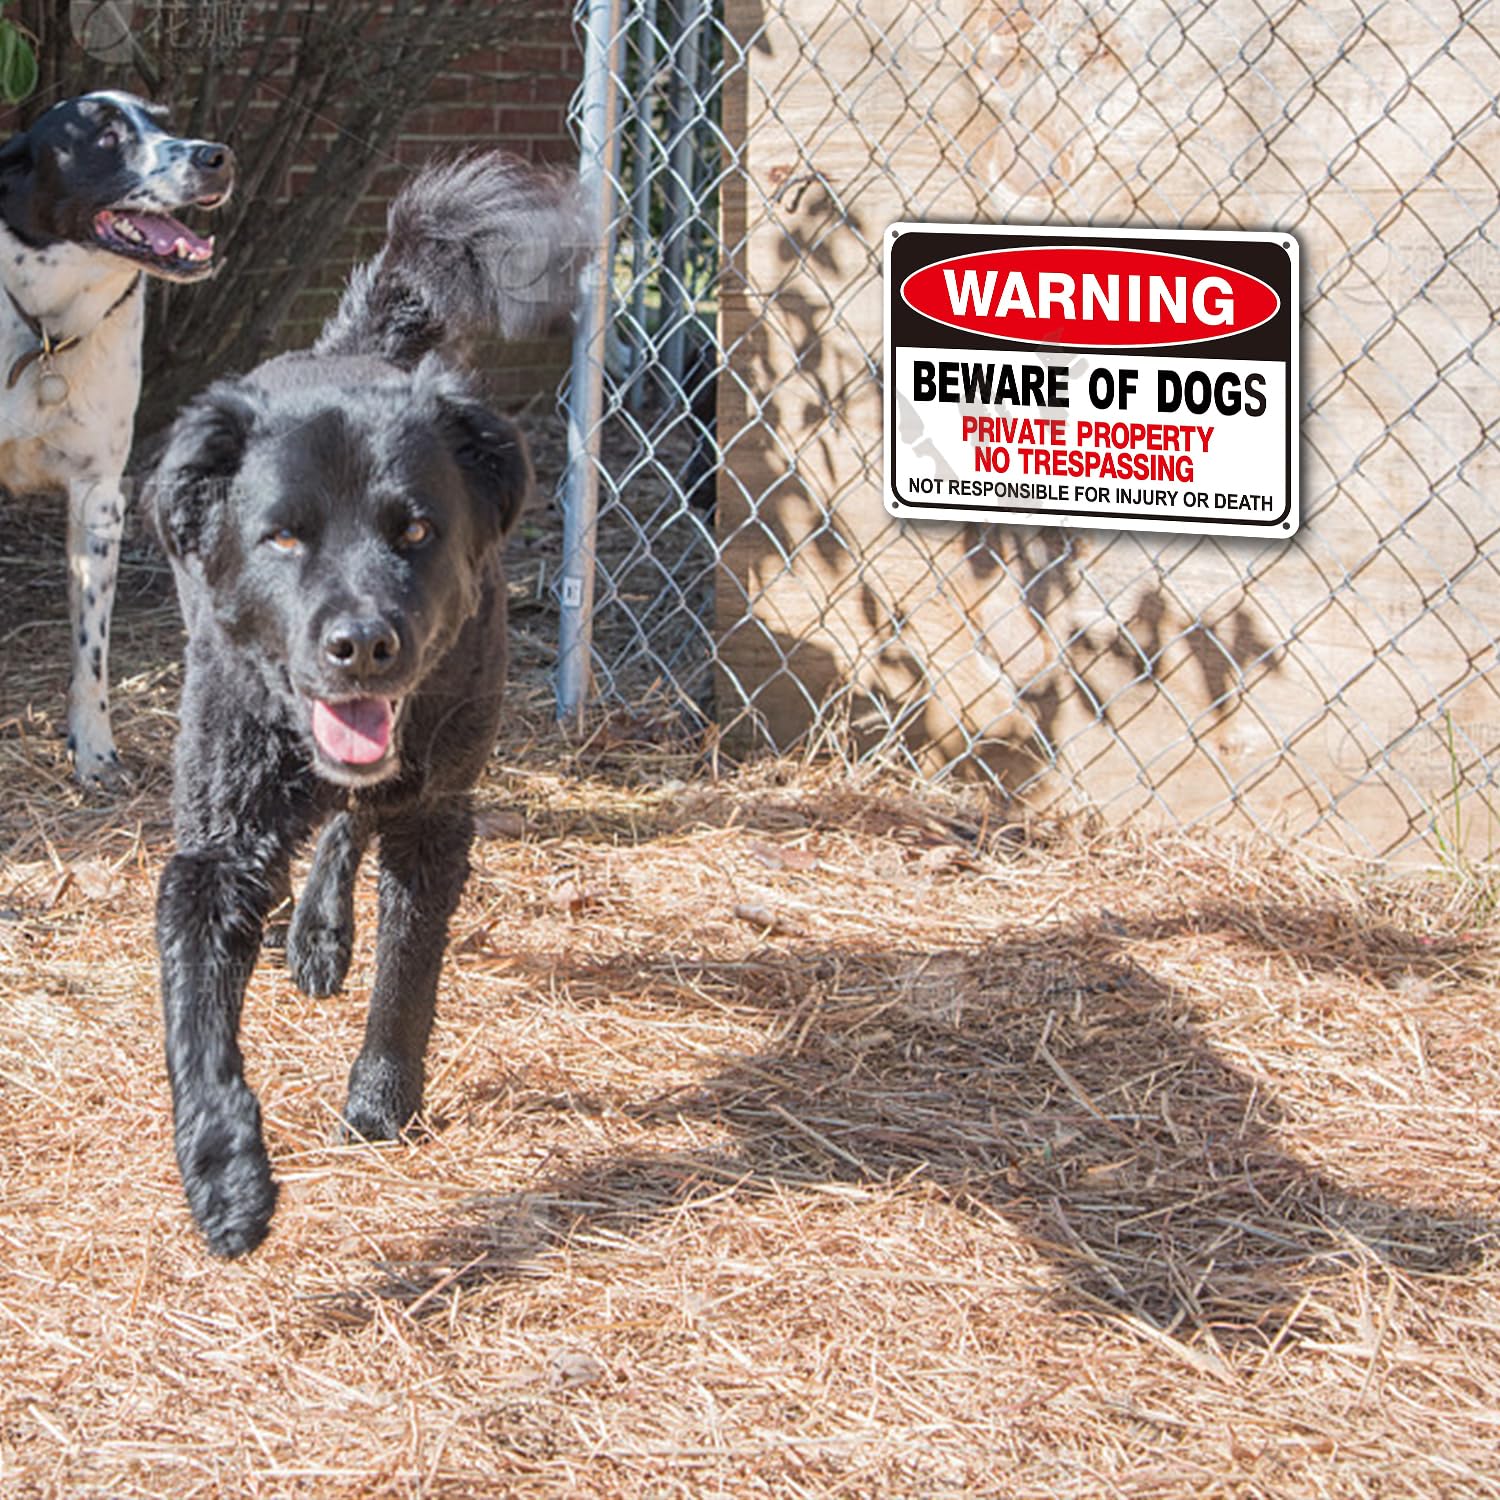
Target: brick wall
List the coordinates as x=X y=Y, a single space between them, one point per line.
x=515 y=98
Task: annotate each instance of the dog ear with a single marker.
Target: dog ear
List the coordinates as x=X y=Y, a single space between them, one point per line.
x=15 y=154
x=203 y=454
x=491 y=455
x=15 y=183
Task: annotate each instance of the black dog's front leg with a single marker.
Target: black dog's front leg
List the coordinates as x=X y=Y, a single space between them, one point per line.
x=210 y=909
x=424 y=861
x=321 y=939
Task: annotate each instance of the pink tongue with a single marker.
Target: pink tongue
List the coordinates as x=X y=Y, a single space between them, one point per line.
x=357 y=731
x=164 y=233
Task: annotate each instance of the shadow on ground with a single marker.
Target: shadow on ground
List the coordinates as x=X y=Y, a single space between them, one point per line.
x=1053 y=1080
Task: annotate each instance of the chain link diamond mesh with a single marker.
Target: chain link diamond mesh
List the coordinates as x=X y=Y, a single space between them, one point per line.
x=1339 y=684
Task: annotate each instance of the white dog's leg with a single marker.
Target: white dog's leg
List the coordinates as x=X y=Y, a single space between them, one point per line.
x=96 y=517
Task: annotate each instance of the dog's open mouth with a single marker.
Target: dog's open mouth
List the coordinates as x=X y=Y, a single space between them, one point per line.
x=355 y=732
x=165 y=244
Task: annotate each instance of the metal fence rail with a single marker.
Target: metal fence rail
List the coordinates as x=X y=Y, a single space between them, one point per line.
x=724 y=403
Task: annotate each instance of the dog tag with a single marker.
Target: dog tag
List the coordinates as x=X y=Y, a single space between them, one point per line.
x=52 y=389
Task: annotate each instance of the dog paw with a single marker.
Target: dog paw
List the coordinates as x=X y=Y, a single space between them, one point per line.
x=98 y=767
x=382 y=1101
x=227 y=1178
x=317 y=956
x=365 y=1121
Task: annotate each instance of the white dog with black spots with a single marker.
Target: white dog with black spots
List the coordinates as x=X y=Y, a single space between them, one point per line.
x=87 y=198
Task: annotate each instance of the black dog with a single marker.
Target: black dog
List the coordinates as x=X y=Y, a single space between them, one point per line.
x=334 y=521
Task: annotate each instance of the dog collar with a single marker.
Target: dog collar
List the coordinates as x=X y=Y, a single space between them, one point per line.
x=47 y=346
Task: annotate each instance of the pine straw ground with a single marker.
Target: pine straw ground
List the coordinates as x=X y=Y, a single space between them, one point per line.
x=788 y=1133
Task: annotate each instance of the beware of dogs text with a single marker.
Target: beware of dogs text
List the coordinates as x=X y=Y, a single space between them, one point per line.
x=1129 y=379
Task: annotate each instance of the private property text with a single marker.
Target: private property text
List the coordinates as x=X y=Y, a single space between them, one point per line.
x=1099 y=449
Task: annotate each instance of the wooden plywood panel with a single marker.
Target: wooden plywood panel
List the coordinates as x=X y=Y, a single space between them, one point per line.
x=1142 y=676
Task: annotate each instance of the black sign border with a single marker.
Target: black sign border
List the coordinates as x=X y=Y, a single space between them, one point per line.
x=1214 y=246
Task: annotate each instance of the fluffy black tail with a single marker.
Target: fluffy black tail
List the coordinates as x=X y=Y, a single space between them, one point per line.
x=482 y=244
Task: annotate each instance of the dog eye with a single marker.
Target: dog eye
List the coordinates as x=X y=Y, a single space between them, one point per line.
x=417 y=532
x=108 y=139
x=285 y=539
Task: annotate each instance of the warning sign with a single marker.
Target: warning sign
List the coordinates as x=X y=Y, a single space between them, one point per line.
x=1138 y=380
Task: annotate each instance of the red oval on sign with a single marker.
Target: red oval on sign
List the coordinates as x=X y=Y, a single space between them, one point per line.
x=1090 y=296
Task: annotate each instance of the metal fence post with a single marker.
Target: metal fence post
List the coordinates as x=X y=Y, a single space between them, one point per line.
x=682 y=206
x=645 y=146
x=580 y=496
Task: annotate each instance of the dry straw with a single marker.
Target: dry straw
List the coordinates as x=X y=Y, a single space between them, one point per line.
x=790 y=1132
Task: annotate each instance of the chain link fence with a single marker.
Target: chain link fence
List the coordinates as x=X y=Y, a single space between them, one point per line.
x=728 y=552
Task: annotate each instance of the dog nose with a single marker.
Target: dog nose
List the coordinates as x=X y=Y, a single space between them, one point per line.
x=361 y=646
x=213 y=157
